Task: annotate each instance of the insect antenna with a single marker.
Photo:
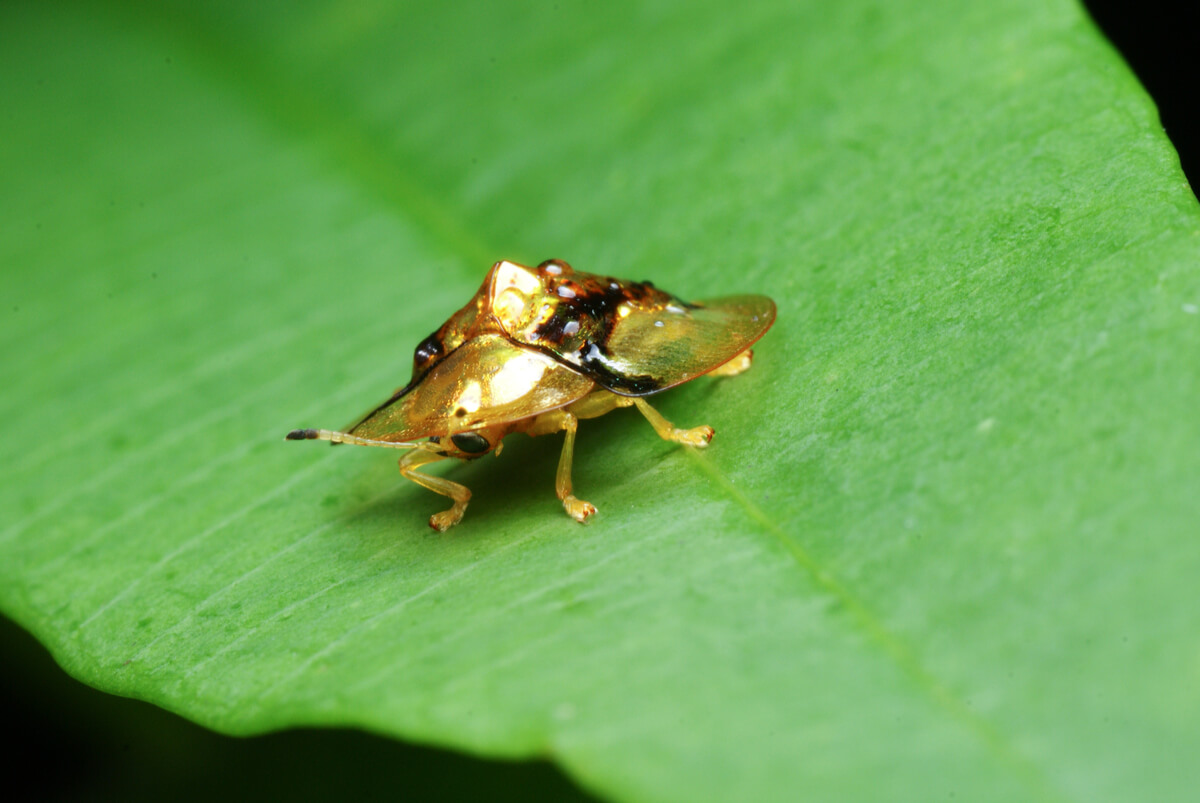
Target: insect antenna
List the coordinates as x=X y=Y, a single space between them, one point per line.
x=343 y=437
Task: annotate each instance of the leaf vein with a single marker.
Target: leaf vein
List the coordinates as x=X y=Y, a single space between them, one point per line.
x=367 y=624
x=935 y=689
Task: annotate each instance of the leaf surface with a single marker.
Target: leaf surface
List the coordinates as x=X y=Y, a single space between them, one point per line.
x=944 y=543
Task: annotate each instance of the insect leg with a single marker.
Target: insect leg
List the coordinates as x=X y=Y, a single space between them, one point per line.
x=439 y=485
x=697 y=436
x=576 y=508
x=598 y=403
x=735 y=366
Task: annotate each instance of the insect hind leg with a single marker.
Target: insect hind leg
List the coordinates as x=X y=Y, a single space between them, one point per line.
x=739 y=363
x=696 y=436
x=461 y=494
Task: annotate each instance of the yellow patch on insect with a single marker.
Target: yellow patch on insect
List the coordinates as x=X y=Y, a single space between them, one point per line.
x=538 y=349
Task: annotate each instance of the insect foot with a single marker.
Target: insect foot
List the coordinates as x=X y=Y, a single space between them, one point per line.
x=697 y=436
x=578 y=509
x=447 y=518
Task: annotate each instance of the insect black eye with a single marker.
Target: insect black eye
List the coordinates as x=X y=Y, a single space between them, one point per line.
x=470 y=442
x=428 y=350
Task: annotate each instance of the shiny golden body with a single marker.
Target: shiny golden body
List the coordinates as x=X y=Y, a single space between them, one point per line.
x=538 y=349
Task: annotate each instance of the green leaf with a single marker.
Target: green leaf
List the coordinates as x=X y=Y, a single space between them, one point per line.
x=112 y=748
x=943 y=544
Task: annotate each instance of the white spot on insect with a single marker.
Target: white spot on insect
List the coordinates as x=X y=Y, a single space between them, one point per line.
x=985 y=425
x=518 y=377
x=509 y=306
x=675 y=309
x=509 y=275
x=565 y=292
x=553 y=269
x=591 y=352
x=513 y=288
x=570 y=327
x=471 y=397
x=658 y=323
x=1191 y=309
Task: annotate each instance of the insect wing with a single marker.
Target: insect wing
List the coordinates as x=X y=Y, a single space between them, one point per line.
x=487 y=380
x=658 y=348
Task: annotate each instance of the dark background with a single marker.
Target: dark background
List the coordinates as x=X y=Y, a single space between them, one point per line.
x=1161 y=42
x=76 y=743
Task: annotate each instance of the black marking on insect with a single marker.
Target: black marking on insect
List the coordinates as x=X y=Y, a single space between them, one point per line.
x=427 y=351
x=470 y=442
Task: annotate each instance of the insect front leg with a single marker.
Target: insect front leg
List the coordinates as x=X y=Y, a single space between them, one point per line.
x=697 y=436
x=459 y=493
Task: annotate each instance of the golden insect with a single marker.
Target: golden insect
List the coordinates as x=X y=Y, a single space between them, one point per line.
x=538 y=349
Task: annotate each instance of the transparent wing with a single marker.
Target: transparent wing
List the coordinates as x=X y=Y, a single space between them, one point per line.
x=646 y=345
x=674 y=344
x=487 y=380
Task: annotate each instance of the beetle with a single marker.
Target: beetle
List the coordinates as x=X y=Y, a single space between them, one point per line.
x=536 y=350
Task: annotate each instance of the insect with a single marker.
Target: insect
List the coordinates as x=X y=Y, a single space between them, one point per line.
x=536 y=350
